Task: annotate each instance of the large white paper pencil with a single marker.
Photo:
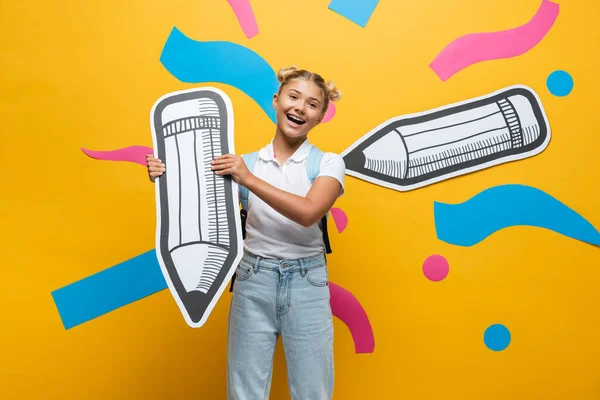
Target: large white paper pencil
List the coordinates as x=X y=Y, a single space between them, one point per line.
x=198 y=234
x=415 y=150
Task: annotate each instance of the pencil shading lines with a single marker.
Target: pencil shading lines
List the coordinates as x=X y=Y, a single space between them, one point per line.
x=416 y=150
x=500 y=207
x=478 y=47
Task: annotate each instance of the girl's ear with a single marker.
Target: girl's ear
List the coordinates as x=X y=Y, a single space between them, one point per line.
x=275 y=101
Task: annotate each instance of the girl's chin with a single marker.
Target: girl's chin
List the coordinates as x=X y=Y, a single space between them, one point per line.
x=293 y=132
x=295 y=135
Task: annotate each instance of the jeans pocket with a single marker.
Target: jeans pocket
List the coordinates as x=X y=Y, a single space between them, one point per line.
x=243 y=271
x=317 y=276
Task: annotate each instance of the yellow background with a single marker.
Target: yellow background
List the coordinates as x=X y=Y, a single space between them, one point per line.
x=85 y=74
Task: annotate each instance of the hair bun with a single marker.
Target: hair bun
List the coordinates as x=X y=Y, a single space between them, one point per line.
x=284 y=72
x=333 y=92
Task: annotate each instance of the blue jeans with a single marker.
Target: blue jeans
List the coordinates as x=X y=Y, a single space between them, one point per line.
x=288 y=298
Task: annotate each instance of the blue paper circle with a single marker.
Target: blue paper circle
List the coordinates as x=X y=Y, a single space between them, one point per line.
x=560 y=83
x=496 y=337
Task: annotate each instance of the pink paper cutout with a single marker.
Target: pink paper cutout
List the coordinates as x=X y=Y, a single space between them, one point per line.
x=136 y=154
x=349 y=310
x=245 y=15
x=436 y=267
x=477 y=47
x=330 y=112
x=340 y=218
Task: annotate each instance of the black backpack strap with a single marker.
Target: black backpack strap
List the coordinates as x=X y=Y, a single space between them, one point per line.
x=243 y=215
x=232 y=282
x=325 y=234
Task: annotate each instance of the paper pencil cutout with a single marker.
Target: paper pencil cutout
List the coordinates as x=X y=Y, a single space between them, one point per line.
x=416 y=150
x=198 y=236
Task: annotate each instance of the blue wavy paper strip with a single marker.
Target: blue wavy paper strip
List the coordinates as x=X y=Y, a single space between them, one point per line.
x=500 y=207
x=110 y=289
x=192 y=61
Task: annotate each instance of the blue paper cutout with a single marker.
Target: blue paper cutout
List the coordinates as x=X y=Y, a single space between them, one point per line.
x=500 y=207
x=497 y=337
x=560 y=83
x=357 y=11
x=110 y=289
x=192 y=61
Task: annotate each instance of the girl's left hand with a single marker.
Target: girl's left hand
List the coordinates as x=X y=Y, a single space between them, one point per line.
x=231 y=164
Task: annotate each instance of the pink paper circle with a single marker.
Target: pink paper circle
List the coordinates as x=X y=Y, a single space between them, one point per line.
x=435 y=268
x=330 y=112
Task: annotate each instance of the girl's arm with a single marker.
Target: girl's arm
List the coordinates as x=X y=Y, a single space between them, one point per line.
x=305 y=211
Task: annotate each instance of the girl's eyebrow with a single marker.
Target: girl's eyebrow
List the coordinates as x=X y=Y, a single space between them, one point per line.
x=310 y=98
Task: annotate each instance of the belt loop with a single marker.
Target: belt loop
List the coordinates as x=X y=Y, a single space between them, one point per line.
x=255 y=268
x=302 y=269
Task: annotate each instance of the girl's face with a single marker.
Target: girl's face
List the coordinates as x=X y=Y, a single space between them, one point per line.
x=299 y=108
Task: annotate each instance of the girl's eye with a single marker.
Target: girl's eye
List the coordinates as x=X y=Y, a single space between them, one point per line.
x=293 y=96
x=313 y=105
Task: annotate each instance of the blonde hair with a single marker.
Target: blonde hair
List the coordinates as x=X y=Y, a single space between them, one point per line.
x=329 y=90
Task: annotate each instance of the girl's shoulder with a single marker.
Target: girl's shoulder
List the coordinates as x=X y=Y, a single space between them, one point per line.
x=333 y=161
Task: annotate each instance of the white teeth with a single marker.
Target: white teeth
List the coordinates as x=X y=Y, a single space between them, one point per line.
x=295 y=119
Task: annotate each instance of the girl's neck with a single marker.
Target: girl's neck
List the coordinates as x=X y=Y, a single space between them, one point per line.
x=284 y=146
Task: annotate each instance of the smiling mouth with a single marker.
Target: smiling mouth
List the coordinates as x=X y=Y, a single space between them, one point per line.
x=294 y=119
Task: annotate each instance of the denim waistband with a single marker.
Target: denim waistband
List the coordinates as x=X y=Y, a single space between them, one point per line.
x=297 y=265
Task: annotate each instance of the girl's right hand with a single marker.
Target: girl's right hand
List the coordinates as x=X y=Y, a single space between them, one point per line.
x=155 y=167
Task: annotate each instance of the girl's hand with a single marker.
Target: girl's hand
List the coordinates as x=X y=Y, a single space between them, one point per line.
x=231 y=164
x=155 y=167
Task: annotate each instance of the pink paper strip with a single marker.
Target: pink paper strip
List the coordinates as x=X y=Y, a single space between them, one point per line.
x=476 y=47
x=340 y=218
x=245 y=15
x=349 y=310
x=136 y=154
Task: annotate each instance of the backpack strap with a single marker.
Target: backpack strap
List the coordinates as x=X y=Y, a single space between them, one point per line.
x=313 y=163
x=250 y=160
x=313 y=168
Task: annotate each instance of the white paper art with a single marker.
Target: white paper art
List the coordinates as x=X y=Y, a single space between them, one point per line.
x=412 y=151
x=198 y=234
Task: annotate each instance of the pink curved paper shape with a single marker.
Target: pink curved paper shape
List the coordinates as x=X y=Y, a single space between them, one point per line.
x=136 y=154
x=245 y=15
x=330 y=112
x=476 y=47
x=340 y=218
x=349 y=310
